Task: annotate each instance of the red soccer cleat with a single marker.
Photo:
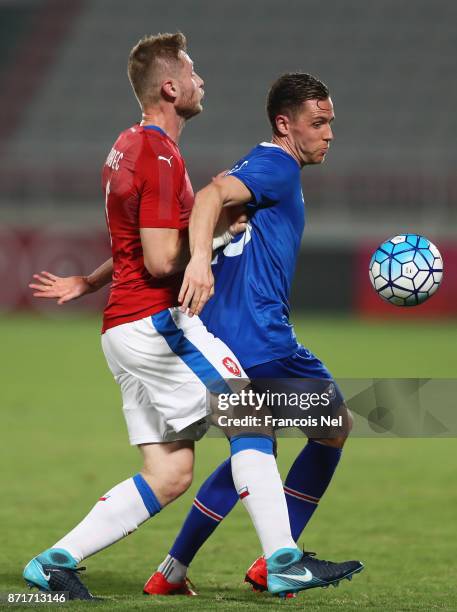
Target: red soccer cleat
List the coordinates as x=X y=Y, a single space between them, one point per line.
x=257 y=575
x=159 y=585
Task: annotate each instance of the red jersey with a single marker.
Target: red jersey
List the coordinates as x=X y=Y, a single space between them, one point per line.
x=146 y=185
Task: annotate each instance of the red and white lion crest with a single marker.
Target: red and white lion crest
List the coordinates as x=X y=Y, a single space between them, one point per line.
x=231 y=366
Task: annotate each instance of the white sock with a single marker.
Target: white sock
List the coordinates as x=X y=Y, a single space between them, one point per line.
x=260 y=488
x=173 y=570
x=114 y=516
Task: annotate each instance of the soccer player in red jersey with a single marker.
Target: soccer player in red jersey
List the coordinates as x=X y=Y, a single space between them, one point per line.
x=164 y=361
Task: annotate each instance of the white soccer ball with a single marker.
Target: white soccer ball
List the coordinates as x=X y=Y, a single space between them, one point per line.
x=406 y=270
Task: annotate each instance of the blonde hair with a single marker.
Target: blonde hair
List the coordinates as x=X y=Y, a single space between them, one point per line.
x=146 y=63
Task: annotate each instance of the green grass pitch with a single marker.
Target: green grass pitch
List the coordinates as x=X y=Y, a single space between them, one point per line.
x=392 y=503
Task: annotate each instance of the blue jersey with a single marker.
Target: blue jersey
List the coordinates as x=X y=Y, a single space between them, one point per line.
x=253 y=274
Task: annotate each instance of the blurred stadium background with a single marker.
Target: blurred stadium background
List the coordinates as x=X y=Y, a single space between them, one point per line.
x=390 y=67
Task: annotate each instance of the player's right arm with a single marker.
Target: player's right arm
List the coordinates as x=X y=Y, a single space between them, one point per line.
x=65 y=289
x=160 y=176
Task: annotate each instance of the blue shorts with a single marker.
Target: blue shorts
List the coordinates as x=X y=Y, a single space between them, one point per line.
x=298 y=374
x=301 y=364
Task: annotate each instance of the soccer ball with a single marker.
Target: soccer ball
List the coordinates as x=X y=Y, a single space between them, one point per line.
x=406 y=270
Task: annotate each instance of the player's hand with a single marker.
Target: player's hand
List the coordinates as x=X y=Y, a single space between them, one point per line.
x=238 y=220
x=232 y=218
x=63 y=289
x=197 y=286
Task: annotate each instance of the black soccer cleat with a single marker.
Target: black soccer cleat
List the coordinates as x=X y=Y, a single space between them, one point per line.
x=55 y=571
x=307 y=572
x=63 y=579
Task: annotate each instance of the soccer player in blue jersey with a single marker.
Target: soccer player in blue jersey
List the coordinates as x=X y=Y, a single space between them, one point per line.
x=250 y=309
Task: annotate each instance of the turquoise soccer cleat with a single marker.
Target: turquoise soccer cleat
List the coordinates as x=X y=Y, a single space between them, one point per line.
x=55 y=570
x=291 y=571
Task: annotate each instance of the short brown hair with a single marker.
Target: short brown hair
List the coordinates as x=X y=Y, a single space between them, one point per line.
x=290 y=90
x=144 y=62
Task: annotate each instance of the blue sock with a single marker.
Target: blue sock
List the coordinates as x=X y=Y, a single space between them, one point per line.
x=214 y=500
x=307 y=481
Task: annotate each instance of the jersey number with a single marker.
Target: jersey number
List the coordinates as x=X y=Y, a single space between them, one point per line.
x=107 y=191
x=234 y=249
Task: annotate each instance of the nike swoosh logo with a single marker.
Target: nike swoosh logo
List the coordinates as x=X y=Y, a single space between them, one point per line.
x=167 y=159
x=45 y=576
x=306 y=577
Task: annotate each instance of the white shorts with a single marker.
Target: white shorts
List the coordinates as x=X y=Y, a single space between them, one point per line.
x=165 y=364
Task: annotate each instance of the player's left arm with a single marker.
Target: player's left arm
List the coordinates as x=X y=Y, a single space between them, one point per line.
x=198 y=283
x=67 y=288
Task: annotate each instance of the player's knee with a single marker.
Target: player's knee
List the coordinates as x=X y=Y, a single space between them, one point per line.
x=177 y=482
x=334 y=442
x=184 y=481
x=340 y=440
x=168 y=484
x=350 y=421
